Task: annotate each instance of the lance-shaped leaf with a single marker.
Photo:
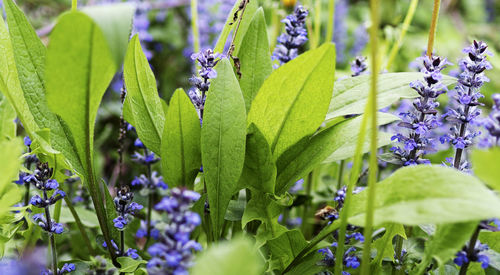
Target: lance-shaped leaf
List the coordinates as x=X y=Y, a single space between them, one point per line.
x=180 y=147
x=10 y=163
x=485 y=165
x=142 y=106
x=448 y=239
x=259 y=171
x=79 y=69
x=303 y=87
x=115 y=21
x=223 y=141
x=9 y=81
x=262 y=207
x=428 y=194
x=29 y=54
x=231 y=24
x=350 y=95
x=338 y=141
x=7 y=117
x=255 y=58
x=285 y=248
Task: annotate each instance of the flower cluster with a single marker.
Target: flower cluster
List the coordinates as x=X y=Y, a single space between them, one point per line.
x=147 y=158
x=340 y=30
x=41 y=179
x=293 y=38
x=493 y=121
x=125 y=208
x=173 y=253
x=466 y=99
x=29 y=160
x=423 y=118
x=67 y=268
x=350 y=260
x=358 y=66
x=132 y=253
x=207 y=60
x=152 y=183
x=477 y=255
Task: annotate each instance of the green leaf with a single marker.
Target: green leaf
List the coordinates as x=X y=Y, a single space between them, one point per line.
x=303 y=87
x=142 y=107
x=259 y=170
x=485 y=166
x=79 y=69
x=180 y=147
x=29 y=55
x=448 y=239
x=255 y=58
x=7 y=117
x=334 y=143
x=264 y=208
x=350 y=95
x=285 y=248
x=115 y=21
x=230 y=25
x=129 y=265
x=428 y=194
x=229 y=258
x=87 y=217
x=384 y=246
x=10 y=163
x=223 y=141
x=492 y=239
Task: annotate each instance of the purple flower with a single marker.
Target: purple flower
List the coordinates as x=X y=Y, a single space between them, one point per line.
x=27 y=141
x=463 y=110
x=132 y=253
x=358 y=66
x=173 y=251
x=422 y=118
x=125 y=207
x=293 y=38
x=67 y=268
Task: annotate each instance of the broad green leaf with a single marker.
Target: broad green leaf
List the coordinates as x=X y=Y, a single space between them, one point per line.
x=255 y=58
x=303 y=87
x=7 y=117
x=9 y=81
x=485 y=166
x=142 y=106
x=115 y=21
x=87 y=217
x=262 y=207
x=384 y=246
x=350 y=95
x=448 y=239
x=180 y=147
x=230 y=25
x=334 y=143
x=235 y=257
x=492 y=239
x=129 y=265
x=259 y=170
x=285 y=248
x=79 y=69
x=29 y=55
x=223 y=141
x=10 y=163
x=428 y=194
x=308 y=265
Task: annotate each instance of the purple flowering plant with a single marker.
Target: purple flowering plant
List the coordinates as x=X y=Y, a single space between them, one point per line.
x=294 y=142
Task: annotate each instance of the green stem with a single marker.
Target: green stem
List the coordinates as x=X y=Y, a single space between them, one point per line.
x=309 y=183
x=331 y=22
x=470 y=250
x=404 y=29
x=80 y=225
x=399 y=249
x=317 y=22
x=51 y=234
x=276 y=22
x=372 y=173
x=432 y=31
x=74 y=5
x=194 y=26
x=340 y=174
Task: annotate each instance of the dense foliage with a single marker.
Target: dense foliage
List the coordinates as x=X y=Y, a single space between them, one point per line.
x=268 y=137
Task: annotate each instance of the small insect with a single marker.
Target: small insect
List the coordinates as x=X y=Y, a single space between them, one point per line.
x=326 y=213
x=242 y=5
